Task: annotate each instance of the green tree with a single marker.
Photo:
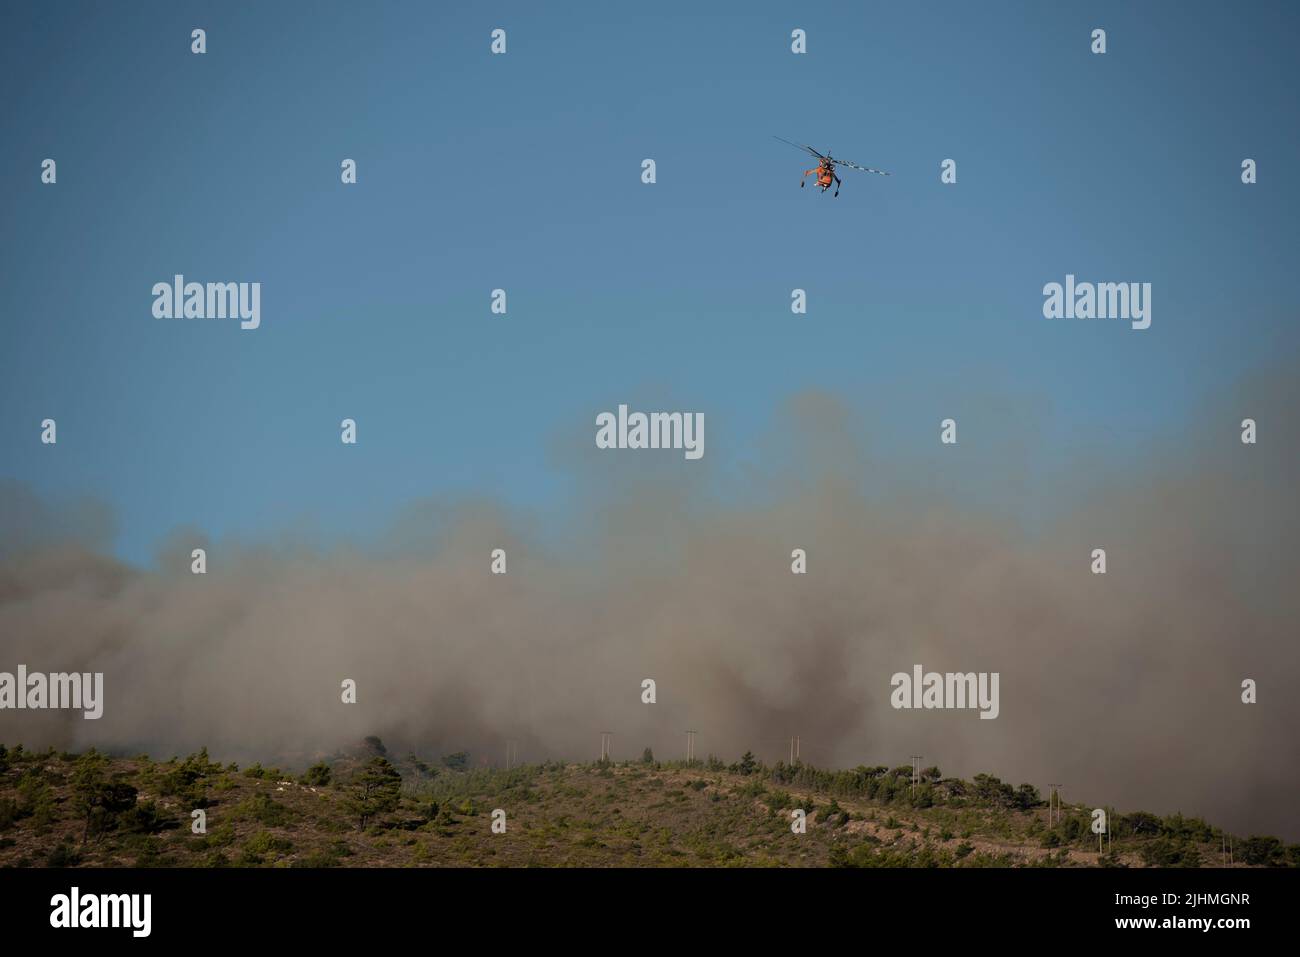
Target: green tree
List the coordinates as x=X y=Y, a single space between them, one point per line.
x=421 y=765
x=35 y=797
x=458 y=761
x=1072 y=830
x=1027 y=797
x=834 y=815
x=647 y=756
x=98 y=798
x=885 y=788
x=1262 y=851
x=188 y=780
x=1166 y=852
x=748 y=763
x=1140 y=822
x=376 y=789
x=317 y=774
x=992 y=790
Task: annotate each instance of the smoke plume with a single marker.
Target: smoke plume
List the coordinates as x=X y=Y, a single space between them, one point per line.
x=1124 y=686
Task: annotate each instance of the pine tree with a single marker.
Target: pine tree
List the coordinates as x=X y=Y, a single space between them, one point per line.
x=376 y=789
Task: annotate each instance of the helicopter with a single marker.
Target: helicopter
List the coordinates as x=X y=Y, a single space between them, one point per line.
x=825 y=169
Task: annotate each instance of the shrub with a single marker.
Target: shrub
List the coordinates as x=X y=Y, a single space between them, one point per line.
x=1264 y=851
x=257 y=772
x=834 y=815
x=1072 y=830
x=263 y=809
x=317 y=859
x=1186 y=828
x=220 y=836
x=317 y=775
x=63 y=855
x=1166 y=852
x=145 y=818
x=778 y=800
x=35 y=799
x=265 y=843
x=9 y=813
x=148 y=851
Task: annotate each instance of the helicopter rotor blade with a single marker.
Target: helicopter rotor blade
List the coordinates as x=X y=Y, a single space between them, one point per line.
x=800 y=146
x=865 y=169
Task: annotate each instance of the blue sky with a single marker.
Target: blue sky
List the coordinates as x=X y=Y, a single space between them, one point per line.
x=522 y=172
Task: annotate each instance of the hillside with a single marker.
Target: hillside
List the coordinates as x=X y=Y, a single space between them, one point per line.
x=95 y=811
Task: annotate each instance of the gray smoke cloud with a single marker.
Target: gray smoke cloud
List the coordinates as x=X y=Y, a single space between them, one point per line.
x=1126 y=687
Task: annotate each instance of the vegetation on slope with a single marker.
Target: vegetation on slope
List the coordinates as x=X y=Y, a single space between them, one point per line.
x=369 y=808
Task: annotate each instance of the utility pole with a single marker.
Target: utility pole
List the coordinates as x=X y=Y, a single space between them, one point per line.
x=512 y=753
x=606 y=740
x=690 y=747
x=1052 y=792
x=796 y=747
x=916 y=773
